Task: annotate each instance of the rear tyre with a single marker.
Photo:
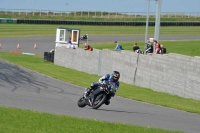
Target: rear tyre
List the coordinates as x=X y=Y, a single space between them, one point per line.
x=81 y=102
x=99 y=100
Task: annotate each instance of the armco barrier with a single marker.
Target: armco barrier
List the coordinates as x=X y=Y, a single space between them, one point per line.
x=79 y=22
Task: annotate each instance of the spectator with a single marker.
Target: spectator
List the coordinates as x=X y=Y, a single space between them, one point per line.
x=157 y=47
x=149 y=48
x=88 y=47
x=69 y=43
x=118 y=46
x=135 y=47
x=162 y=49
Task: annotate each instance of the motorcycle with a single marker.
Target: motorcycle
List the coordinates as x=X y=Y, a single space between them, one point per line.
x=107 y=90
x=84 y=37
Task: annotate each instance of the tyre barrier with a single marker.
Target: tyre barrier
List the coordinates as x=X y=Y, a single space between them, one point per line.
x=49 y=56
x=105 y=23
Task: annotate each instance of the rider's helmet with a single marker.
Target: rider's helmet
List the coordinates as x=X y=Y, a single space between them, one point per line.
x=115 y=76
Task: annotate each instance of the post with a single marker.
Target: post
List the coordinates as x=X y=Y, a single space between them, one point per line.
x=147 y=25
x=100 y=63
x=87 y=38
x=157 y=23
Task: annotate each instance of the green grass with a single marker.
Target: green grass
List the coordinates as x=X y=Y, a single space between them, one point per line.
x=75 y=77
x=17 y=30
x=98 y=17
x=26 y=121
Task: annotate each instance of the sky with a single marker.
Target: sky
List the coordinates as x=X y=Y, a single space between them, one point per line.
x=186 y=6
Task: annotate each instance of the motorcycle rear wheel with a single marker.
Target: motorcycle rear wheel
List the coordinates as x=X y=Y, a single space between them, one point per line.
x=81 y=102
x=99 y=100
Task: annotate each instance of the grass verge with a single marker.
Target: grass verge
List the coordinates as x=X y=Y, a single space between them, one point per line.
x=21 y=30
x=26 y=121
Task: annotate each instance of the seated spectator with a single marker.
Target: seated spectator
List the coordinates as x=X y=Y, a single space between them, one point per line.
x=135 y=47
x=149 y=48
x=157 y=47
x=88 y=47
x=162 y=49
x=69 y=43
x=118 y=46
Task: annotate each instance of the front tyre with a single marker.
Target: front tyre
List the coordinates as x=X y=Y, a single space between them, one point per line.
x=99 y=100
x=81 y=102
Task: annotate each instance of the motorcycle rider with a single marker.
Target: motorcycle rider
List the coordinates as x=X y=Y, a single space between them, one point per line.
x=112 y=78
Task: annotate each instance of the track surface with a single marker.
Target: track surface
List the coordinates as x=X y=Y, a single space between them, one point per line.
x=45 y=44
x=23 y=88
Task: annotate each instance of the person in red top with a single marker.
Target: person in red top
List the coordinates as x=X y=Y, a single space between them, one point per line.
x=88 y=47
x=157 y=47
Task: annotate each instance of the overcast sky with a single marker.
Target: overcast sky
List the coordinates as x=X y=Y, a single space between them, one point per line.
x=103 y=5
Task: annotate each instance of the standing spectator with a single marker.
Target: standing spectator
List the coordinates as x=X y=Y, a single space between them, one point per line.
x=157 y=47
x=118 y=46
x=135 y=47
x=88 y=47
x=162 y=49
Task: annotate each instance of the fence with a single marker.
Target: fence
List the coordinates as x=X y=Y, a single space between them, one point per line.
x=96 y=14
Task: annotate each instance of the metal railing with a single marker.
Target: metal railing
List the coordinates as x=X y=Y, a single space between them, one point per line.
x=96 y=14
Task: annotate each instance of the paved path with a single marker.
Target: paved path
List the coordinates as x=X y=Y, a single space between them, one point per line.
x=45 y=44
x=23 y=88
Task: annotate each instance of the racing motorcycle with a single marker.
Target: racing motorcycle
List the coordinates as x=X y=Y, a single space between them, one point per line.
x=107 y=90
x=84 y=37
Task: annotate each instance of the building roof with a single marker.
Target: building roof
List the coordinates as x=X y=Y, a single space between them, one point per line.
x=68 y=28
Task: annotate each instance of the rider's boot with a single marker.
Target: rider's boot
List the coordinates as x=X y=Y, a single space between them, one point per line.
x=107 y=102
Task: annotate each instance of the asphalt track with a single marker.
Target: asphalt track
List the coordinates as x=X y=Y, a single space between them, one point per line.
x=23 y=88
x=45 y=44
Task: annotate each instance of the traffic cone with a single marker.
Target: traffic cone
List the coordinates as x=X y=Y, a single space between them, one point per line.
x=0 y=46
x=18 y=47
x=35 y=47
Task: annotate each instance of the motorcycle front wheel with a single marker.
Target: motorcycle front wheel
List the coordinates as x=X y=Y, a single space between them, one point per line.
x=81 y=102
